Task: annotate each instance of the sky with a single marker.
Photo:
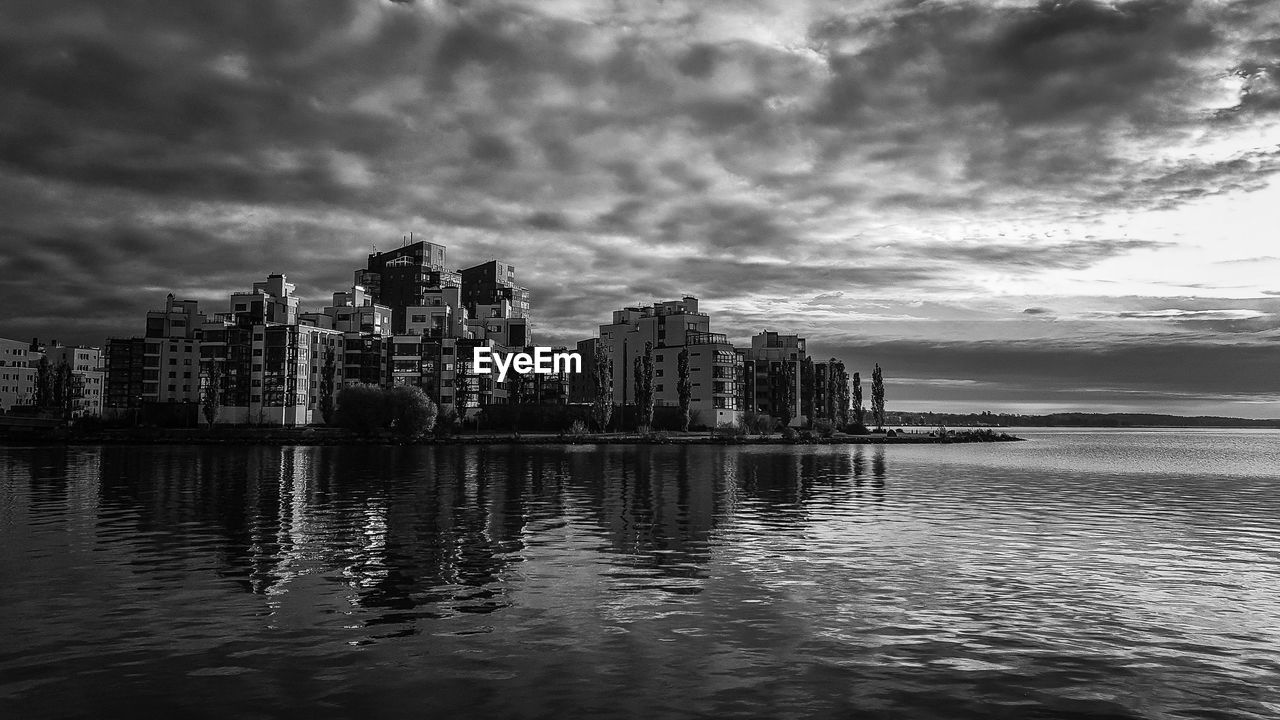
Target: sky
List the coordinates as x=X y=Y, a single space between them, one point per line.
x=1010 y=206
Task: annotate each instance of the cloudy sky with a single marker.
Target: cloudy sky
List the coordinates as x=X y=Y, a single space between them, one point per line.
x=1009 y=205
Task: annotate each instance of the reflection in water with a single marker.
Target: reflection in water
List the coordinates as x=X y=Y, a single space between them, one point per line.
x=666 y=580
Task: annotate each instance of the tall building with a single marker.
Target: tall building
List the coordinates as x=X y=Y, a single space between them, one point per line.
x=159 y=371
x=171 y=356
x=668 y=328
x=125 y=368
x=405 y=277
x=491 y=283
x=267 y=358
x=427 y=351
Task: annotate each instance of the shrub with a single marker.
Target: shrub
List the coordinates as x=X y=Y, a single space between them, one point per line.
x=824 y=428
x=578 y=428
x=411 y=413
x=731 y=429
x=446 y=421
x=368 y=409
x=361 y=409
x=789 y=433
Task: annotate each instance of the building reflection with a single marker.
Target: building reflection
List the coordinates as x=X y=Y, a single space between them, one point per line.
x=392 y=535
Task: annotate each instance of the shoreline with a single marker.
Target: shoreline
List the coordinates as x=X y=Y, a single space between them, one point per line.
x=329 y=436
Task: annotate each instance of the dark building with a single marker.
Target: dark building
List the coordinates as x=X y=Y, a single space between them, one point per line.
x=492 y=283
x=402 y=278
x=125 y=363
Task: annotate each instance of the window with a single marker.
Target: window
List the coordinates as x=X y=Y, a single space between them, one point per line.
x=173 y=374
x=173 y=361
x=186 y=375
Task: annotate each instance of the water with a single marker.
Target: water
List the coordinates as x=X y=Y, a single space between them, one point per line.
x=1115 y=574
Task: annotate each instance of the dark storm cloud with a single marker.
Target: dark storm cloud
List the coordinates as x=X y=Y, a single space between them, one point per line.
x=1053 y=95
x=748 y=153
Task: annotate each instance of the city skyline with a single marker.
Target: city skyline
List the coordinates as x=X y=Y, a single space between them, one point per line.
x=1009 y=206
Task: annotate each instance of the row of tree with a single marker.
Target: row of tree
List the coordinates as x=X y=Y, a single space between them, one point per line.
x=57 y=387
x=835 y=406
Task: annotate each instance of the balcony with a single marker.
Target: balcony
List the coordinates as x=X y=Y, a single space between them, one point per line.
x=693 y=337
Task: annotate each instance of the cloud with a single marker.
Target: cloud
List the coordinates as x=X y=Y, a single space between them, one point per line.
x=883 y=170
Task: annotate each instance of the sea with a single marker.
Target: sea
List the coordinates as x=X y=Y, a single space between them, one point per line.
x=1083 y=573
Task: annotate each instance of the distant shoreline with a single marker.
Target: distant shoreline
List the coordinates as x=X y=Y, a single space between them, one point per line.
x=329 y=436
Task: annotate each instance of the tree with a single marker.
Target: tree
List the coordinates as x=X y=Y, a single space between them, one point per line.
x=211 y=403
x=839 y=391
x=461 y=389
x=361 y=409
x=65 y=389
x=517 y=388
x=808 y=391
x=877 y=396
x=859 y=412
x=408 y=411
x=44 y=383
x=684 y=389
x=326 y=386
x=644 y=386
x=787 y=395
x=602 y=377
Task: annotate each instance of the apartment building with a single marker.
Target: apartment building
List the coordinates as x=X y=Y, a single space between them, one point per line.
x=269 y=360
x=405 y=278
x=17 y=374
x=491 y=283
x=668 y=328
x=88 y=391
x=774 y=362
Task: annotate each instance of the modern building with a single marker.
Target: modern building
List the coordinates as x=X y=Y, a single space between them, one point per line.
x=773 y=362
x=406 y=277
x=489 y=284
x=267 y=361
x=668 y=328
x=171 y=357
x=88 y=390
x=125 y=361
x=17 y=374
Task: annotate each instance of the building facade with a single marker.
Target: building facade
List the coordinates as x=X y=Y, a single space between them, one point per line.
x=88 y=391
x=666 y=329
x=774 y=370
x=17 y=374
